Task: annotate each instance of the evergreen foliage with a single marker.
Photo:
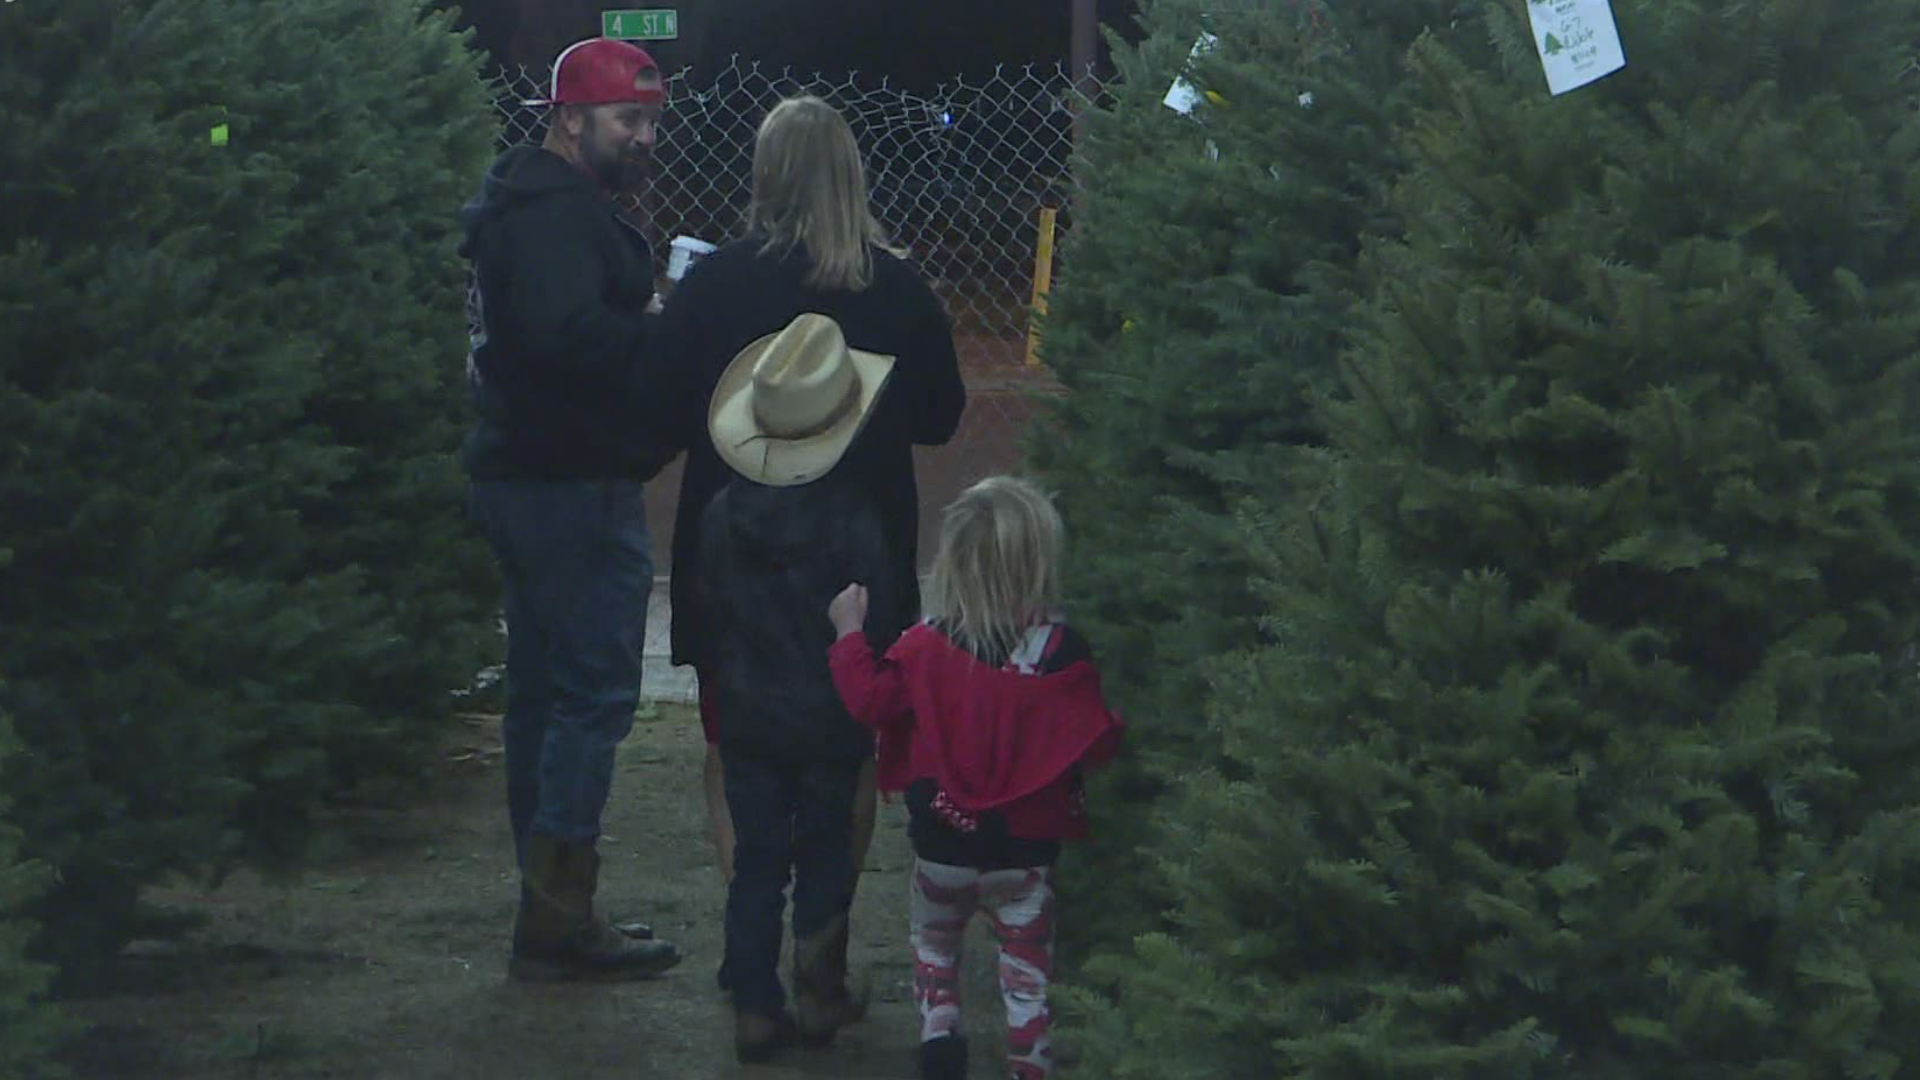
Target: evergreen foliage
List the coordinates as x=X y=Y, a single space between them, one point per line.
x=30 y=1029
x=1578 y=738
x=1204 y=297
x=231 y=339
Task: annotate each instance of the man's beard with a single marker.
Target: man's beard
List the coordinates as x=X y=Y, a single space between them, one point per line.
x=615 y=170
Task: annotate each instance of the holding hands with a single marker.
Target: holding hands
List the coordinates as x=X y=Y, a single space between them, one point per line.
x=848 y=611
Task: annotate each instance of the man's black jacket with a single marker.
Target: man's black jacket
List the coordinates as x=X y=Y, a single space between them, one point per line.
x=561 y=284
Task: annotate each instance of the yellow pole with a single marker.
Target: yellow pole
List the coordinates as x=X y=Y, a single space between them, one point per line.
x=1042 y=280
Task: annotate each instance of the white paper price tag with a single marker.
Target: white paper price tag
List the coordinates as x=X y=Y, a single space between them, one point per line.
x=1578 y=41
x=1182 y=97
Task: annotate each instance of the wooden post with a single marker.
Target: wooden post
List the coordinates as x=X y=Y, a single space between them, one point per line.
x=1042 y=280
x=1084 y=53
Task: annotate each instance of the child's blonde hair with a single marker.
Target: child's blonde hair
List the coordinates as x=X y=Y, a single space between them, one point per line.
x=997 y=570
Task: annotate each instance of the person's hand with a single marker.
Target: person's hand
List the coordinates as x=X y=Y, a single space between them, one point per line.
x=849 y=610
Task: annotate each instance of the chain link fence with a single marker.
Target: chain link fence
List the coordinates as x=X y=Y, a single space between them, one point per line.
x=965 y=178
x=959 y=176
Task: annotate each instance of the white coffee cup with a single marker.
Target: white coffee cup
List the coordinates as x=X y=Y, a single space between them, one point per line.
x=685 y=252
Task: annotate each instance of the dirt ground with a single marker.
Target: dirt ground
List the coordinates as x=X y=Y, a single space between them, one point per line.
x=386 y=960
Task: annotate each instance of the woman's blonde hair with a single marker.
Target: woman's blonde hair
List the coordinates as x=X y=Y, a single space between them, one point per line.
x=997 y=570
x=810 y=190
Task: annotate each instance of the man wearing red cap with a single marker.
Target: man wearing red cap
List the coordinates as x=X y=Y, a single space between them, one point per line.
x=557 y=458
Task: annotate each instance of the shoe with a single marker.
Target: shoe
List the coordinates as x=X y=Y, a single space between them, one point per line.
x=944 y=1058
x=758 y=1036
x=822 y=1002
x=557 y=934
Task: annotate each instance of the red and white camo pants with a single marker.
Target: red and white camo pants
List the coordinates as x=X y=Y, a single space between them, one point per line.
x=1019 y=907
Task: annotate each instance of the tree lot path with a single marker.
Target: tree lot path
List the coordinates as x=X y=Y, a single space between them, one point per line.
x=386 y=960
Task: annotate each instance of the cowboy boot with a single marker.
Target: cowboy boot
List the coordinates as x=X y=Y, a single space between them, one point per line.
x=558 y=936
x=633 y=928
x=759 y=1036
x=823 y=1004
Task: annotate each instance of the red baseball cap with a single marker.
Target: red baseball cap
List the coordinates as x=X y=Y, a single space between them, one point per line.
x=602 y=71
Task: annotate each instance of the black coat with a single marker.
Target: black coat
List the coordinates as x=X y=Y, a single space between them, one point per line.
x=561 y=281
x=771 y=560
x=737 y=295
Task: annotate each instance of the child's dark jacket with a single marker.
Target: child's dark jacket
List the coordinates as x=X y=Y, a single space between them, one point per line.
x=771 y=561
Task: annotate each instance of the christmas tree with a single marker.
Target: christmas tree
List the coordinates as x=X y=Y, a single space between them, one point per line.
x=1203 y=299
x=231 y=342
x=1579 y=741
x=388 y=321
x=30 y=1029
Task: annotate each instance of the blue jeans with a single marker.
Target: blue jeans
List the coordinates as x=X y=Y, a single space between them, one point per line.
x=578 y=566
x=788 y=817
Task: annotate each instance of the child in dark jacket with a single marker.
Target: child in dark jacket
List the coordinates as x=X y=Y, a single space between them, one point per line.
x=776 y=543
x=986 y=714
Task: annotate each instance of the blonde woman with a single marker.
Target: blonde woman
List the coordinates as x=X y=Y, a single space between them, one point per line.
x=812 y=248
x=986 y=715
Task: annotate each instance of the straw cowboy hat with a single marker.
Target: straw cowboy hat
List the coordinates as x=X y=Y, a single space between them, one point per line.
x=790 y=404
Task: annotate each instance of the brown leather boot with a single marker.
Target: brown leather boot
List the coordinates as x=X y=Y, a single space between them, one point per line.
x=822 y=1001
x=757 y=1036
x=557 y=934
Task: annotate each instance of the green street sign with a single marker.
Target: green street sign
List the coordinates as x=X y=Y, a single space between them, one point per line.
x=653 y=24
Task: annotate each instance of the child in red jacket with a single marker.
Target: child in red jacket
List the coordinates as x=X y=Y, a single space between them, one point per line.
x=986 y=713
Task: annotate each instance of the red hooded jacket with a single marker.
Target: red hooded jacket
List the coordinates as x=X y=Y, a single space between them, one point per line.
x=991 y=738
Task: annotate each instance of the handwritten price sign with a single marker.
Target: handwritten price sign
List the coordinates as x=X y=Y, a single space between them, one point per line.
x=1578 y=41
